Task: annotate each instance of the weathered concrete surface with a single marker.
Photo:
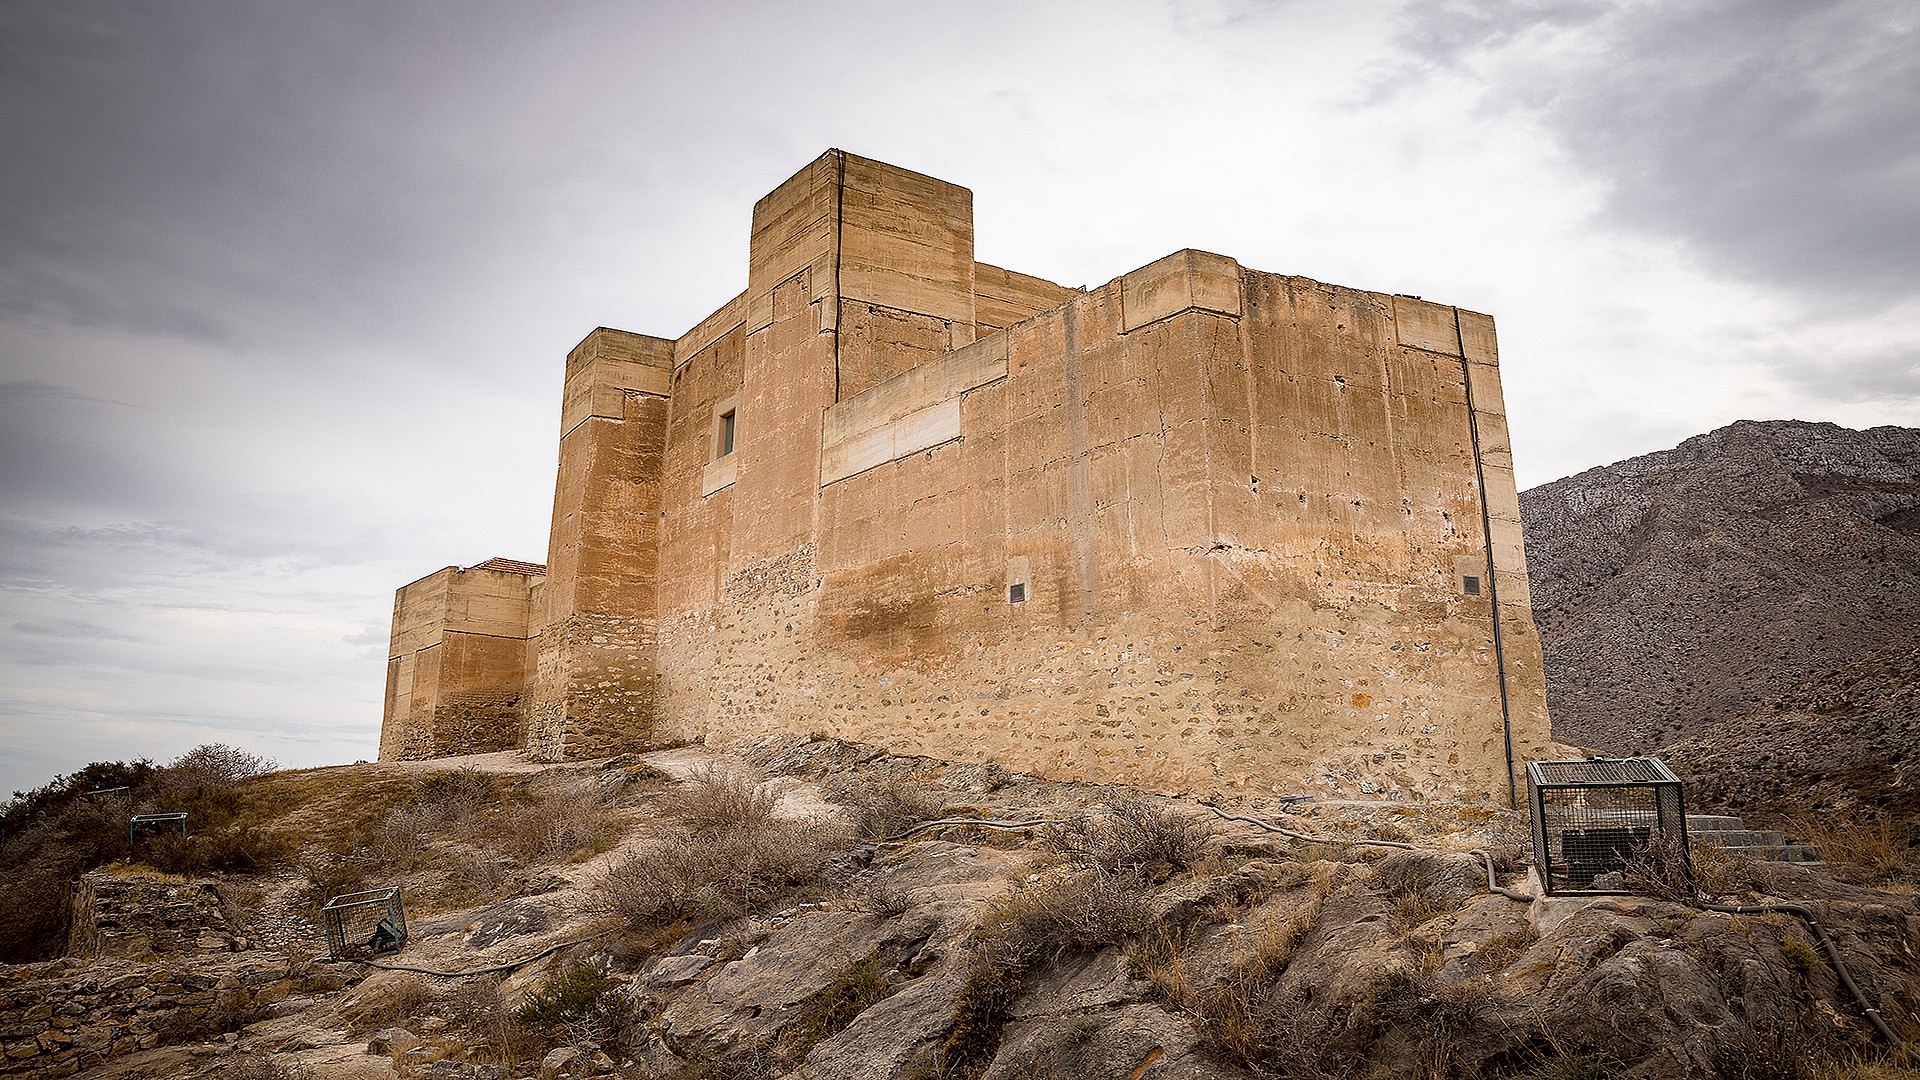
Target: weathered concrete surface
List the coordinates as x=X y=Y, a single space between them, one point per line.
x=1201 y=528
x=457 y=665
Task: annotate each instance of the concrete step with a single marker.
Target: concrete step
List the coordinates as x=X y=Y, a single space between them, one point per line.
x=1793 y=853
x=1713 y=822
x=1742 y=837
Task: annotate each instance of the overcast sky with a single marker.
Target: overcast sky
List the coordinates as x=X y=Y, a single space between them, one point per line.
x=285 y=289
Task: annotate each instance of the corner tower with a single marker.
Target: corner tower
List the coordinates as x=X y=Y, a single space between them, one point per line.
x=594 y=666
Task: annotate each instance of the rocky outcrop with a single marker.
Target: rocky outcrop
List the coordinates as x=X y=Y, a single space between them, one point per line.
x=59 y=1017
x=1687 y=587
x=1007 y=954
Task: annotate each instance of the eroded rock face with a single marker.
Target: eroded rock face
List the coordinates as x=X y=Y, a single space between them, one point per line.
x=1689 y=586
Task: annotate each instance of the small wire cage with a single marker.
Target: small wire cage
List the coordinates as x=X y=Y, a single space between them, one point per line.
x=141 y=826
x=363 y=924
x=1590 y=817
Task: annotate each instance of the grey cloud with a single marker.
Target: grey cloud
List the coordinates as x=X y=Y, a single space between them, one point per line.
x=1889 y=375
x=72 y=629
x=1777 y=138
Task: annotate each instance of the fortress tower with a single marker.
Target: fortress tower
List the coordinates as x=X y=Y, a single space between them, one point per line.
x=1200 y=528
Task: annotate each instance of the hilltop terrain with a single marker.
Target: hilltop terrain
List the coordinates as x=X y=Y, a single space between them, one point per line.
x=1681 y=589
x=799 y=911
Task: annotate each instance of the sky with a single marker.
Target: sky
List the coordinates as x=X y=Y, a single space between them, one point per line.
x=286 y=289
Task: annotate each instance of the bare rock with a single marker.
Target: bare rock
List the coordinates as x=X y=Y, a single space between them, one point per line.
x=1135 y=1040
x=391 y=1040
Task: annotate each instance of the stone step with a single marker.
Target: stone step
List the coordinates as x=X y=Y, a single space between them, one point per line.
x=1713 y=822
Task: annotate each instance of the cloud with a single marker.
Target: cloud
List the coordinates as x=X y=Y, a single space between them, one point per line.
x=1776 y=138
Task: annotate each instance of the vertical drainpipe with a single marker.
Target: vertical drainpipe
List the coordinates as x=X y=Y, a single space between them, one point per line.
x=1493 y=576
x=839 y=234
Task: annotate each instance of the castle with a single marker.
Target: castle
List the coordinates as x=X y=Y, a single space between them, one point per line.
x=1200 y=528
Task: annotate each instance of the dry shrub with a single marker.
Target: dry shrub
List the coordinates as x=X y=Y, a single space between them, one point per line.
x=1857 y=840
x=565 y=819
x=453 y=797
x=219 y=765
x=243 y=850
x=580 y=1001
x=892 y=808
x=1136 y=835
x=1658 y=868
x=876 y=895
x=717 y=874
x=714 y=801
x=1499 y=952
x=476 y=1007
x=1087 y=910
x=334 y=873
x=1510 y=845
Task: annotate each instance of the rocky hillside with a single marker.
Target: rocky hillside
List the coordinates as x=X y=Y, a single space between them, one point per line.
x=816 y=910
x=1687 y=587
x=1844 y=745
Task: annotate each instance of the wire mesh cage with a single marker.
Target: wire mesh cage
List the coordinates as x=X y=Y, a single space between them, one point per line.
x=141 y=826
x=364 y=924
x=1590 y=817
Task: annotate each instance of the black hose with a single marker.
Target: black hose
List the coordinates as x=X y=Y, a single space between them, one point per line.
x=1270 y=827
x=508 y=966
x=1494 y=884
x=1833 y=958
x=1003 y=826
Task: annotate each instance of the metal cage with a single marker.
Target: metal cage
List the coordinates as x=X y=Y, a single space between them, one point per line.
x=364 y=923
x=141 y=826
x=1590 y=817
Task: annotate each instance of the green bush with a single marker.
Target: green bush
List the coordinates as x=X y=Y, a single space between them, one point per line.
x=578 y=993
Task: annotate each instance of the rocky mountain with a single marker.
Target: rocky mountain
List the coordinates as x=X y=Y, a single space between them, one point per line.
x=1684 y=588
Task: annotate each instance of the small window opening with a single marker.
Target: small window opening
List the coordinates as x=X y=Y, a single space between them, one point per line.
x=1017 y=593
x=1473 y=585
x=726 y=434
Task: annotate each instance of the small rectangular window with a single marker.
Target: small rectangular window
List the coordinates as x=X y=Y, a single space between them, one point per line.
x=1472 y=585
x=726 y=433
x=1017 y=593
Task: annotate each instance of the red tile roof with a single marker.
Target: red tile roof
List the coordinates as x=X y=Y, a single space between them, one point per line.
x=511 y=566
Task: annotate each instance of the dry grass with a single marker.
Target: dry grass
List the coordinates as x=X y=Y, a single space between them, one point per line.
x=1857 y=841
x=892 y=808
x=386 y=999
x=713 y=801
x=1237 y=1017
x=1717 y=871
x=717 y=874
x=1497 y=953
x=826 y=1014
x=1137 y=835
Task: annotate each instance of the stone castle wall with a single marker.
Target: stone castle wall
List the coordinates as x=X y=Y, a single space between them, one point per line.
x=1200 y=528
